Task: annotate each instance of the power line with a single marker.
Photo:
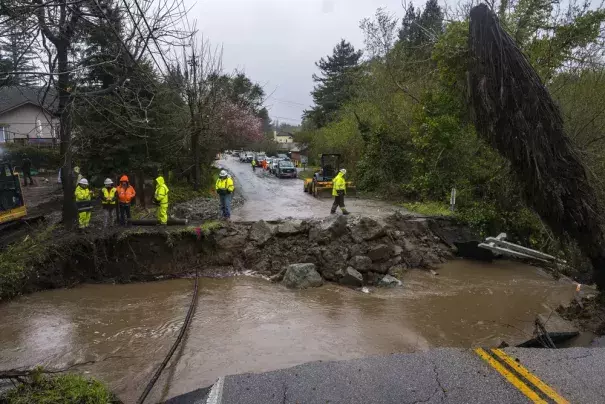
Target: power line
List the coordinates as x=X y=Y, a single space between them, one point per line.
x=287 y=119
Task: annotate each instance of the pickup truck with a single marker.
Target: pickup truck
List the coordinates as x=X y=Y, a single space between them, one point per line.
x=285 y=169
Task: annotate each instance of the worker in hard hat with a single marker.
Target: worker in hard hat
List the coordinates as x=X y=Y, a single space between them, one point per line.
x=108 y=201
x=224 y=189
x=339 y=189
x=253 y=164
x=161 y=199
x=126 y=196
x=83 y=196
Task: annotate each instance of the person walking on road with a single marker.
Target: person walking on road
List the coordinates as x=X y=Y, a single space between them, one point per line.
x=161 y=199
x=83 y=196
x=339 y=189
x=253 y=165
x=224 y=188
x=26 y=166
x=126 y=194
x=108 y=200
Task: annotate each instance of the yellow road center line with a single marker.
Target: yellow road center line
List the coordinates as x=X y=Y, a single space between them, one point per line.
x=546 y=389
x=510 y=377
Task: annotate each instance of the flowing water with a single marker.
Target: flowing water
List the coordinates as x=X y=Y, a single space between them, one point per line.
x=120 y=333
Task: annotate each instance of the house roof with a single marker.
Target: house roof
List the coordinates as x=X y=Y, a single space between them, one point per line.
x=285 y=134
x=12 y=97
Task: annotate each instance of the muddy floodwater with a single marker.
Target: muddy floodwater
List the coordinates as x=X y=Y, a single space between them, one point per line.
x=120 y=333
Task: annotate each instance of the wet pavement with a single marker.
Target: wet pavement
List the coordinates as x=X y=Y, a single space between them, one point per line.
x=270 y=198
x=437 y=376
x=120 y=333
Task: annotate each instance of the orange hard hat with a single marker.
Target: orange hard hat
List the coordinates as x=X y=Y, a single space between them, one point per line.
x=124 y=178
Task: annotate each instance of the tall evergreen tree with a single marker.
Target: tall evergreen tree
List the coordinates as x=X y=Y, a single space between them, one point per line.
x=334 y=84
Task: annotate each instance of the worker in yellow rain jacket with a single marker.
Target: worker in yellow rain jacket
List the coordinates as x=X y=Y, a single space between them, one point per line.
x=108 y=200
x=224 y=188
x=339 y=189
x=83 y=195
x=161 y=199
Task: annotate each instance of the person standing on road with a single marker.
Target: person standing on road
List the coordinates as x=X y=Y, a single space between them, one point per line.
x=339 y=189
x=126 y=194
x=26 y=166
x=83 y=196
x=108 y=200
x=161 y=199
x=224 y=188
x=253 y=164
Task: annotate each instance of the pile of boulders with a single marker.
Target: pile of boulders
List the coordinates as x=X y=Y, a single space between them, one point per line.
x=353 y=251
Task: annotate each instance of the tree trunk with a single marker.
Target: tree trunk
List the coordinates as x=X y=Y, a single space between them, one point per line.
x=64 y=113
x=141 y=191
x=195 y=139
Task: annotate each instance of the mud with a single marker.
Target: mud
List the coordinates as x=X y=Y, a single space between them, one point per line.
x=587 y=313
x=120 y=333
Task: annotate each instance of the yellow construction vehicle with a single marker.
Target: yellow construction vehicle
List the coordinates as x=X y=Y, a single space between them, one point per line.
x=12 y=203
x=320 y=185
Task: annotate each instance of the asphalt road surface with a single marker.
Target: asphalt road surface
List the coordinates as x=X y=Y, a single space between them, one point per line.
x=270 y=198
x=573 y=375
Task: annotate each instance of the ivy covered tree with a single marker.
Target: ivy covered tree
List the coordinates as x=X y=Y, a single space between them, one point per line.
x=335 y=84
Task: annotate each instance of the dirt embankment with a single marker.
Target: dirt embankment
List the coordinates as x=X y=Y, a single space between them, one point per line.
x=372 y=247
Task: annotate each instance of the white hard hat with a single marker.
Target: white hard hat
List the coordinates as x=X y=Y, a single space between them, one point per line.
x=223 y=173
x=83 y=181
x=343 y=171
x=108 y=181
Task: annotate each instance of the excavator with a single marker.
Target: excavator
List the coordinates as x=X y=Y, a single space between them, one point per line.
x=320 y=185
x=12 y=203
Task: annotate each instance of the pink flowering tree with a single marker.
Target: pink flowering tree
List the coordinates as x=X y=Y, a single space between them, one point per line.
x=237 y=124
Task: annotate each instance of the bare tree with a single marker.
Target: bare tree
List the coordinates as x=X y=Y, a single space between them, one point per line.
x=63 y=25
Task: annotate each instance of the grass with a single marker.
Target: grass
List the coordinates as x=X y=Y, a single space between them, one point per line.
x=18 y=259
x=428 y=208
x=62 y=389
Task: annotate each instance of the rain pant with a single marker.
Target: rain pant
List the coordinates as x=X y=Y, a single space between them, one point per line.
x=161 y=198
x=83 y=194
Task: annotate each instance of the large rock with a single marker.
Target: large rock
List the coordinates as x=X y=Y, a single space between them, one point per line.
x=380 y=252
x=302 y=276
x=260 y=232
x=367 y=229
x=361 y=263
x=232 y=242
x=289 y=228
x=331 y=228
x=389 y=281
x=351 y=277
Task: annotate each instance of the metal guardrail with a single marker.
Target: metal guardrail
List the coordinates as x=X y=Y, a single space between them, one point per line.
x=500 y=246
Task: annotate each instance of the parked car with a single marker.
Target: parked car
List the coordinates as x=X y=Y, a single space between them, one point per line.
x=285 y=169
x=273 y=166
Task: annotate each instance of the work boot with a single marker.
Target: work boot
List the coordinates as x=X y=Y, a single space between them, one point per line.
x=332 y=212
x=345 y=212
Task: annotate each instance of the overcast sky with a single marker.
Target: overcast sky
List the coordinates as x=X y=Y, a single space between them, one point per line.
x=276 y=42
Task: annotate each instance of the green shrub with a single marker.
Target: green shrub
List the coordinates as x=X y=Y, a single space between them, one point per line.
x=43 y=157
x=62 y=389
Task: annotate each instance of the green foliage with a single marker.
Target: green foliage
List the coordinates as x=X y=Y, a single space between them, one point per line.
x=428 y=208
x=41 y=157
x=406 y=131
x=61 y=389
x=18 y=259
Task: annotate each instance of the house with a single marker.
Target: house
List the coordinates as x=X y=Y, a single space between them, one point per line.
x=26 y=115
x=283 y=137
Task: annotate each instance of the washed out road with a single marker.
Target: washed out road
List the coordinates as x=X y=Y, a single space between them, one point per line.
x=270 y=198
